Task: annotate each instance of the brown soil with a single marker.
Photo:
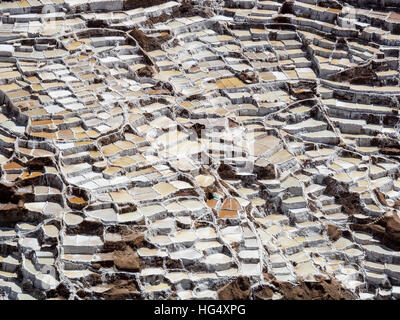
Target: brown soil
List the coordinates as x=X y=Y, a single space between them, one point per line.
x=158 y=19
x=392 y=234
x=232 y=123
x=267 y=172
x=13 y=198
x=61 y=292
x=87 y=227
x=385 y=143
x=235 y=246
x=146 y=71
x=225 y=171
x=122 y=290
x=127 y=260
x=126 y=236
x=371 y=119
x=386 y=228
x=322 y=289
x=186 y=193
x=134 y=4
x=334 y=232
x=121 y=287
x=333 y=187
x=390 y=151
x=134 y=240
x=248 y=77
x=381 y=197
x=263 y=293
x=287 y=8
x=303 y=89
x=38 y=164
x=364 y=74
x=147 y=42
x=238 y=289
x=198 y=129
x=123 y=247
x=173 y=264
x=330 y=4
x=12 y=205
x=350 y=201
x=185 y=10
x=10 y=194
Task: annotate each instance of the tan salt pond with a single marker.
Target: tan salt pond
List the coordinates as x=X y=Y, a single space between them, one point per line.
x=180 y=185
x=306 y=270
x=73 y=219
x=151 y=210
x=164 y=188
x=205 y=181
x=51 y=231
x=174 y=207
x=280 y=157
x=184 y=236
x=121 y=196
x=192 y=205
x=146 y=252
x=129 y=216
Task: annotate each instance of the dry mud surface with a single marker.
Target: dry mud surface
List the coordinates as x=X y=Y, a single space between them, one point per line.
x=239 y=149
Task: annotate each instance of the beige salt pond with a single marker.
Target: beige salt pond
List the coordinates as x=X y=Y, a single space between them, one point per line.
x=106 y=214
x=51 y=231
x=208 y=246
x=160 y=240
x=193 y=205
x=306 y=270
x=186 y=255
x=231 y=234
x=186 y=237
x=152 y=211
x=73 y=219
x=280 y=157
x=174 y=207
x=218 y=261
x=180 y=185
x=164 y=189
x=121 y=196
x=206 y=233
x=129 y=216
x=205 y=181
